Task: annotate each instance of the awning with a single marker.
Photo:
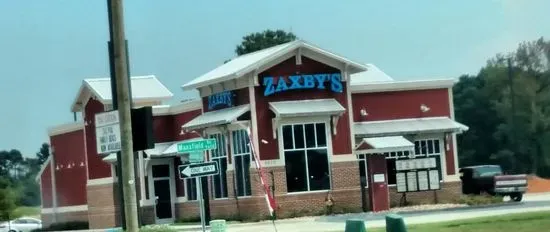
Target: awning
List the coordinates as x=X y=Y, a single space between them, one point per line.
x=384 y=144
x=408 y=126
x=309 y=108
x=306 y=108
x=218 y=117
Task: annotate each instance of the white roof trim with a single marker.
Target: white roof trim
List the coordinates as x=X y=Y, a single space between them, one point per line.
x=43 y=168
x=160 y=91
x=215 y=118
x=244 y=64
x=183 y=107
x=408 y=126
x=306 y=108
x=387 y=86
x=386 y=144
x=65 y=128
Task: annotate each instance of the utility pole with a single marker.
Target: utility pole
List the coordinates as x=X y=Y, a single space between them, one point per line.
x=513 y=113
x=123 y=104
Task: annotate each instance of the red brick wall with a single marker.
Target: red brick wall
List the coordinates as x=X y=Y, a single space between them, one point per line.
x=179 y=120
x=96 y=167
x=163 y=128
x=341 y=143
x=405 y=104
x=46 y=187
x=401 y=104
x=70 y=178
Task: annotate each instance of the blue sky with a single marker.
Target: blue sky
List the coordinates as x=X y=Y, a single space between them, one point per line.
x=48 y=47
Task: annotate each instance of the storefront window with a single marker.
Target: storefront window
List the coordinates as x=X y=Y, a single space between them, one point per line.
x=241 y=156
x=306 y=157
x=219 y=181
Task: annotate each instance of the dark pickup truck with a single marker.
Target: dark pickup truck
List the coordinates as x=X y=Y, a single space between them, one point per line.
x=490 y=179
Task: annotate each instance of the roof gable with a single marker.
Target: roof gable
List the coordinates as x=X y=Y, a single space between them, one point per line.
x=244 y=64
x=144 y=89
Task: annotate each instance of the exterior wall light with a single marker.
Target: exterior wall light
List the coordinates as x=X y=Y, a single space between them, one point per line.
x=424 y=108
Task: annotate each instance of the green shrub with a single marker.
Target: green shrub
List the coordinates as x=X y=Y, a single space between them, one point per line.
x=157 y=228
x=480 y=200
x=73 y=225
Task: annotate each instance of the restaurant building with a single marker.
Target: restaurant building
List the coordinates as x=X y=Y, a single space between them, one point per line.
x=320 y=123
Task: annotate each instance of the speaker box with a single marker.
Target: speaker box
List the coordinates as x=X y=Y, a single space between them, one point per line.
x=142 y=128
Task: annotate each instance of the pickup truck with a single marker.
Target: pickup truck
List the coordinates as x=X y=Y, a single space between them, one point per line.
x=490 y=179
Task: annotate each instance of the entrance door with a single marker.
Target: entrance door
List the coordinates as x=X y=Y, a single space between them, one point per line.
x=364 y=181
x=163 y=199
x=162 y=192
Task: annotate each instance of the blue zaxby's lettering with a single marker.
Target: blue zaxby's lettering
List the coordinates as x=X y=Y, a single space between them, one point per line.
x=306 y=81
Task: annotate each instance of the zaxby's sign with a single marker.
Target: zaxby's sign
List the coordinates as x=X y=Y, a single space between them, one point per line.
x=306 y=81
x=221 y=100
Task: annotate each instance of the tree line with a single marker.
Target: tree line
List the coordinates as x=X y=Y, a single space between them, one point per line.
x=17 y=179
x=507 y=107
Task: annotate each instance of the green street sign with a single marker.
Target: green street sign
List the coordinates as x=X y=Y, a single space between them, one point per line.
x=197 y=145
x=196 y=157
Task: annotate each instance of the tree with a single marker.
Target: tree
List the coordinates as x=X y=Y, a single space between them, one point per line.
x=7 y=200
x=43 y=153
x=261 y=40
x=9 y=160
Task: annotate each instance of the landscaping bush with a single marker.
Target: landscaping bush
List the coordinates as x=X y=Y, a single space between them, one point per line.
x=480 y=200
x=157 y=228
x=73 y=225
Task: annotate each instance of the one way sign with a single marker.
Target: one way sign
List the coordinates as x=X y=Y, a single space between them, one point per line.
x=198 y=170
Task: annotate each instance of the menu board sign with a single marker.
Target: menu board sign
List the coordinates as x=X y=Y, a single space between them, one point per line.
x=421 y=180
x=401 y=182
x=434 y=179
x=413 y=164
x=411 y=181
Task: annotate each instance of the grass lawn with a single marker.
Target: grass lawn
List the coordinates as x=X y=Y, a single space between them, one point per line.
x=522 y=222
x=24 y=211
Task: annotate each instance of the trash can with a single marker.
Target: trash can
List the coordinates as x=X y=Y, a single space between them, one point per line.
x=217 y=226
x=355 y=225
x=395 y=223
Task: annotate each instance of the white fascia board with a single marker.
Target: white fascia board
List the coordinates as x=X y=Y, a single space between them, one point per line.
x=65 y=128
x=374 y=87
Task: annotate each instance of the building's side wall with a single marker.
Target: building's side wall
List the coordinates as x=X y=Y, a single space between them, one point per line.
x=403 y=105
x=46 y=187
x=69 y=168
x=269 y=151
x=102 y=210
x=96 y=167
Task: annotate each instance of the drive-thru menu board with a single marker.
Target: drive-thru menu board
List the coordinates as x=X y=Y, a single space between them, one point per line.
x=417 y=175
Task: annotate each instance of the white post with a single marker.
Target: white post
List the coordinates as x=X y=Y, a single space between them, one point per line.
x=201 y=203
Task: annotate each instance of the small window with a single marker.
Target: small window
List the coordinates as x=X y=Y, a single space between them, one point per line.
x=298 y=136
x=287 y=137
x=161 y=170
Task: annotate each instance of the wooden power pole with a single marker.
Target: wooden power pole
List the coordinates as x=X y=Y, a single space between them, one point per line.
x=120 y=63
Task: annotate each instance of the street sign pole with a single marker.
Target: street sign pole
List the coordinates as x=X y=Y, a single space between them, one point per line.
x=198 y=168
x=201 y=202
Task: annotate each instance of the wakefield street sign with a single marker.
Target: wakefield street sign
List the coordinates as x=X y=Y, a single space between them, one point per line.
x=107 y=131
x=198 y=170
x=198 y=145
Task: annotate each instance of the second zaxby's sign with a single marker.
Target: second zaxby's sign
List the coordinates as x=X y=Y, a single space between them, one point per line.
x=306 y=81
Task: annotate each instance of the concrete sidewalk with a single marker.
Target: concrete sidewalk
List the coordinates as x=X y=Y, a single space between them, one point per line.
x=531 y=203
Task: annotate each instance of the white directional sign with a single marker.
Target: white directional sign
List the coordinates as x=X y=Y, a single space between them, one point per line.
x=198 y=170
x=107 y=132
